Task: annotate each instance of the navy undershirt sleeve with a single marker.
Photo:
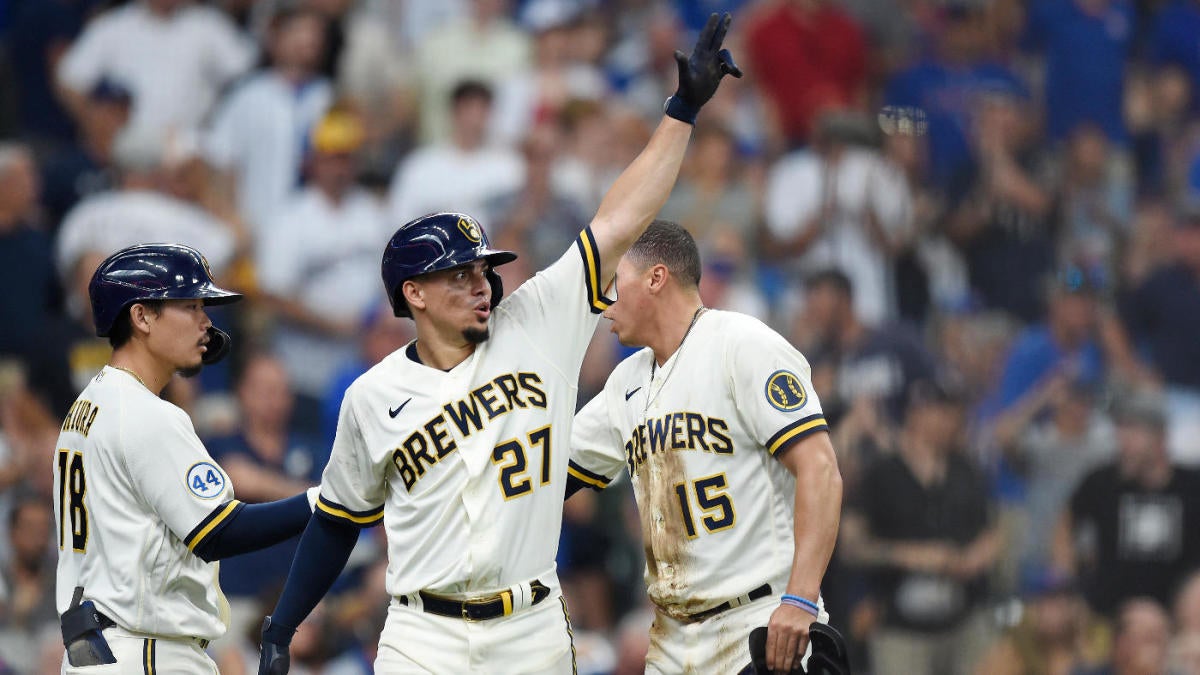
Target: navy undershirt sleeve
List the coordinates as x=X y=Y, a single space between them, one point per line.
x=255 y=526
x=324 y=549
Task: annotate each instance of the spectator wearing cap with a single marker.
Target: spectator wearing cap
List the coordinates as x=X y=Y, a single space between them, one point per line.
x=86 y=167
x=463 y=173
x=1055 y=635
x=1079 y=342
x=1163 y=316
x=945 y=88
x=922 y=526
x=318 y=263
x=259 y=132
x=840 y=203
x=1086 y=44
x=808 y=55
x=483 y=46
x=174 y=55
x=1129 y=528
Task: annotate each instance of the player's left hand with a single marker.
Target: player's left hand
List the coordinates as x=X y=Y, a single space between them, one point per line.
x=701 y=73
x=787 y=638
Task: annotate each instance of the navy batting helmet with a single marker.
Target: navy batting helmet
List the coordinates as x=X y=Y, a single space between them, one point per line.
x=435 y=242
x=151 y=272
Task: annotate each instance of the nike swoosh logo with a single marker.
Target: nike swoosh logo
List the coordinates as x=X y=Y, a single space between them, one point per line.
x=629 y=394
x=396 y=411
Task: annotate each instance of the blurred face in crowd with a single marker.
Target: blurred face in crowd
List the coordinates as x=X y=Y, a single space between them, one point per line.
x=963 y=34
x=264 y=392
x=19 y=182
x=1056 y=616
x=488 y=10
x=1139 y=447
x=1072 y=316
x=32 y=525
x=1187 y=606
x=298 y=42
x=937 y=423
x=470 y=118
x=1187 y=242
x=1144 y=632
x=333 y=172
x=1088 y=154
x=826 y=309
x=713 y=151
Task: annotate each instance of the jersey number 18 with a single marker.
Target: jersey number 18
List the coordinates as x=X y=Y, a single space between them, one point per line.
x=72 y=484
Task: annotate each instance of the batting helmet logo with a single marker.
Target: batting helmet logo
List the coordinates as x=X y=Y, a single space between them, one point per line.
x=470 y=229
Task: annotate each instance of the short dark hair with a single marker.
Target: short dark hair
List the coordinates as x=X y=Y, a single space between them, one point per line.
x=466 y=89
x=670 y=244
x=122 y=328
x=830 y=277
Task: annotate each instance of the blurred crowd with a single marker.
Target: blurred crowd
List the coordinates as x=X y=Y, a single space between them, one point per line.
x=978 y=219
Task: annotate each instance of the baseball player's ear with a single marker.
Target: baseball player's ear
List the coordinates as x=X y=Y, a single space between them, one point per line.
x=658 y=277
x=413 y=295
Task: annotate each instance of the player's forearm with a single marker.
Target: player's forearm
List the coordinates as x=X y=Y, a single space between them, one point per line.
x=256 y=526
x=639 y=193
x=323 y=551
x=818 y=507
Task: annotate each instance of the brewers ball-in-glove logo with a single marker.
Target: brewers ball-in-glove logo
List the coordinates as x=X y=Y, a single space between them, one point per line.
x=470 y=229
x=785 y=392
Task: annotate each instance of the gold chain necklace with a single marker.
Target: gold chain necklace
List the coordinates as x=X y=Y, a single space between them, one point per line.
x=135 y=375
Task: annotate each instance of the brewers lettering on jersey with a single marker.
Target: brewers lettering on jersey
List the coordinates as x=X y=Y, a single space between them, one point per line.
x=458 y=442
x=142 y=510
x=718 y=427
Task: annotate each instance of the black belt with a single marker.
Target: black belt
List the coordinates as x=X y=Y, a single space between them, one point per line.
x=760 y=592
x=477 y=609
x=106 y=622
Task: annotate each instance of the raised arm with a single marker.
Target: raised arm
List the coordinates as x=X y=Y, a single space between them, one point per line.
x=643 y=187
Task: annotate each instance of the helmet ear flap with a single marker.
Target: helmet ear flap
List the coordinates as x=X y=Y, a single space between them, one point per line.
x=497 y=287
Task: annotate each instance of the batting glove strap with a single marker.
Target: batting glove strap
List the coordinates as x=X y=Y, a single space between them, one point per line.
x=681 y=110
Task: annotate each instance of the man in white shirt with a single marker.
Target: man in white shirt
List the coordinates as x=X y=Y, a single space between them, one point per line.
x=464 y=173
x=844 y=206
x=172 y=54
x=259 y=133
x=318 y=260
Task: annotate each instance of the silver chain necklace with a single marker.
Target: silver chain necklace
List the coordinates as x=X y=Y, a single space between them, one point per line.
x=650 y=398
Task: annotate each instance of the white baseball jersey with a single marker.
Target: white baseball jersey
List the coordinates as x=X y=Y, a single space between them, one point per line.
x=136 y=493
x=467 y=467
x=697 y=437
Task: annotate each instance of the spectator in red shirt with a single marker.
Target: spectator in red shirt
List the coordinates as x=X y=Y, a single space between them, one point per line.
x=808 y=55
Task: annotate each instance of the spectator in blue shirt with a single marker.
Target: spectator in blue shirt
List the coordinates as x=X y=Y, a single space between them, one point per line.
x=1086 y=44
x=948 y=86
x=1175 y=40
x=264 y=460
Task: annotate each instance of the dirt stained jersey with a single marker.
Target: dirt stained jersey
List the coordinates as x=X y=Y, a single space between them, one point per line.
x=135 y=493
x=467 y=467
x=698 y=436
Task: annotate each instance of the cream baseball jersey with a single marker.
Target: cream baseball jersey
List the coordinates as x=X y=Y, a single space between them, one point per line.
x=136 y=493
x=467 y=467
x=697 y=437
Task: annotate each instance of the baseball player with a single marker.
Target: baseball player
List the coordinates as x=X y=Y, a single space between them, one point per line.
x=458 y=441
x=737 y=484
x=141 y=509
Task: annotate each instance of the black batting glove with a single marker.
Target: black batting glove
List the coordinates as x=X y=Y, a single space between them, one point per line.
x=700 y=73
x=273 y=657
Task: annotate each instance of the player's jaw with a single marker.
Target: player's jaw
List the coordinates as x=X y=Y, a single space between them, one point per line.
x=182 y=329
